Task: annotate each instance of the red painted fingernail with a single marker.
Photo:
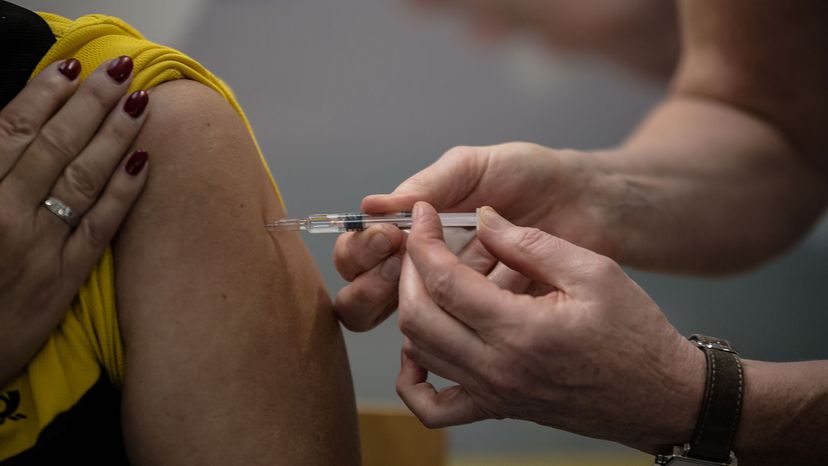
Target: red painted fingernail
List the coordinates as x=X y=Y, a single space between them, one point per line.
x=136 y=162
x=136 y=103
x=119 y=68
x=70 y=68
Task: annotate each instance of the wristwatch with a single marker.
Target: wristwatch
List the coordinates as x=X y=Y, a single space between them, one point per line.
x=721 y=407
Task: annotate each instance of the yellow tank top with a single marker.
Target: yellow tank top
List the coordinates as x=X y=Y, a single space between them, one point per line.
x=81 y=366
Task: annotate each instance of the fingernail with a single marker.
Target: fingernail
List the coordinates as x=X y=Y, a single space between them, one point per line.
x=491 y=219
x=390 y=269
x=379 y=244
x=119 y=68
x=136 y=103
x=70 y=68
x=136 y=162
x=418 y=210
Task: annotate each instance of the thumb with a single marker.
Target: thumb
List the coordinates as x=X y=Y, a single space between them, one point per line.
x=534 y=253
x=445 y=184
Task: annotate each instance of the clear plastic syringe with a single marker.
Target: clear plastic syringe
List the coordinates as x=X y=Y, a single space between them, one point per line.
x=340 y=223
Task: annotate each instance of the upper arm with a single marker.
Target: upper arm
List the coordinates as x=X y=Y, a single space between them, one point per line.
x=767 y=58
x=232 y=352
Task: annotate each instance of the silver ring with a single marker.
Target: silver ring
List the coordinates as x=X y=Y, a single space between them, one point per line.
x=62 y=211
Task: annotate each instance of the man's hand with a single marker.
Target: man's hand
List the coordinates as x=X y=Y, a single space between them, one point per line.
x=533 y=185
x=586 y=350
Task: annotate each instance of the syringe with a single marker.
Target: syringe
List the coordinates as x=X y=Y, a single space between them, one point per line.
x=340 y=223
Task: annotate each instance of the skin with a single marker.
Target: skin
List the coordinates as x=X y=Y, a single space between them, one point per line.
x=641 y=35
x=728 y=171
x=552 y=350
x=49 y=146
x=233 y=355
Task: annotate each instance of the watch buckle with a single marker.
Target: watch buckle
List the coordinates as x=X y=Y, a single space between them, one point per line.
x=680 y=458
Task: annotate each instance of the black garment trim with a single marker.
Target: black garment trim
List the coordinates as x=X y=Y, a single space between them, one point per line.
x=88 y=433
x=24 y=39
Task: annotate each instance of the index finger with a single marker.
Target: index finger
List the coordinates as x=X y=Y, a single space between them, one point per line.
x=459 y=290
x=435 y=408
x=445 y=184
x=22 y=118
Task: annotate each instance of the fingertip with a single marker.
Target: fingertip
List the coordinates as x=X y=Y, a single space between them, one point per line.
x=385 y=239
x=136 y=163
x=426 y=222
x=491 y=226
x=386 y=203
x=120 y=69
x=408 y=350
x=70 y=68
x=373 y=203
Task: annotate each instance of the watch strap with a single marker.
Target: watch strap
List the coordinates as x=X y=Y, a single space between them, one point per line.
x=722 y=404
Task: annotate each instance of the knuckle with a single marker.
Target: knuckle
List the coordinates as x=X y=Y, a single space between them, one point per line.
x=84 y=179
x=408 y=319
x=59 y=144
x=461 y=152
x=96 y=233
x=352 y=317
x=363 y=295
x=405 y=320
x=524 y=147
x=441 y=285
x=100 y=92
x=122 y=194
x=17 y=125
x=121 y=133
x=603 y=266
x=430 y=422
x=533 y=242
x=402 y=389
x=357 y=323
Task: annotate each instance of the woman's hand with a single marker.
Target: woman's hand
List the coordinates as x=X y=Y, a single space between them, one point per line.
x=592 y=354
x=532 y=185
x=62 y=142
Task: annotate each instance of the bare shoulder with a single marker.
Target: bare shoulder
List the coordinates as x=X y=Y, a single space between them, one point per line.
x=197 y=142
x=214 y=308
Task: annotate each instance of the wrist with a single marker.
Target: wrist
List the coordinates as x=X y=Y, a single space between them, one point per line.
x=600 y=192
x=712 y=439
x=677 y=424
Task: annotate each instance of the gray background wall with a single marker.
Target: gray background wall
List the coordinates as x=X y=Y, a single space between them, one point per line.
x=350 y=97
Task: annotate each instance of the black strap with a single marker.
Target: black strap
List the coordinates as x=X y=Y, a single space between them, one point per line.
x=722 y=403
x=24 y=40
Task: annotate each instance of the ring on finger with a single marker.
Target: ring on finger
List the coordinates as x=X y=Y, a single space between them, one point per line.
x=62 y=211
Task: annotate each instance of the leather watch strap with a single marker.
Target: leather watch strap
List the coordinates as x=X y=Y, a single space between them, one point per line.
x=722 y=403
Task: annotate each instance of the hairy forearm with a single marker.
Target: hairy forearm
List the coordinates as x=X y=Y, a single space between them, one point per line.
x=785 y=414
x=706 y=188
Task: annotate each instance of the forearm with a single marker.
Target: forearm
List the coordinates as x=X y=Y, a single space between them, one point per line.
x=703 y=187
x=730 y=169
x=785 y=414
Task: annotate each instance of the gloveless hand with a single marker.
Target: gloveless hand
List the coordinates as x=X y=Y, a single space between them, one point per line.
x=533 y=185
x=63 y=139
x=585 y=350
